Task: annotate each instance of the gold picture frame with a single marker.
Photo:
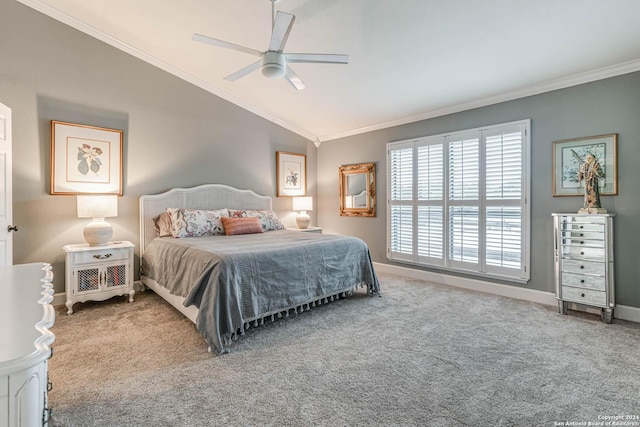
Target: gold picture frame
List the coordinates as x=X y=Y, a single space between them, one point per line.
x=358 y=189
x=85 y=159
x=566 y=158
x=291 y=174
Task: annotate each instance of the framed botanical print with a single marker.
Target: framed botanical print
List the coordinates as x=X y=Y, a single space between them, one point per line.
x=85 y=159
x=570 y=154
x=291 y=174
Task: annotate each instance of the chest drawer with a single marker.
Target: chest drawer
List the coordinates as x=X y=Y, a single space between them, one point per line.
x=586 y=267
x=584 y=296
x=597 y=283
x=583 y=253
x=107 y=254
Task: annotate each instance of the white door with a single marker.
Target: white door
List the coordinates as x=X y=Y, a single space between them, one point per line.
x=6 y=207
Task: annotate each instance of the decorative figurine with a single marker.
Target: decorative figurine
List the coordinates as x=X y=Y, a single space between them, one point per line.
x=590 y=171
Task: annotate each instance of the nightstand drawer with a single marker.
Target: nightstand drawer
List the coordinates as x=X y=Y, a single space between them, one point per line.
x=584 y=296
x=107 y=254
x=596 y=283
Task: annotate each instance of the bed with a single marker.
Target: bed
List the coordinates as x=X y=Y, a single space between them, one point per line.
x=227 y=284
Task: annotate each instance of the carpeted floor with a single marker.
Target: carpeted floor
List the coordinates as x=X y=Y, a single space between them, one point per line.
x=422 y=354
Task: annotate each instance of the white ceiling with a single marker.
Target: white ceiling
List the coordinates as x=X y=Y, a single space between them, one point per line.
x=409 y=59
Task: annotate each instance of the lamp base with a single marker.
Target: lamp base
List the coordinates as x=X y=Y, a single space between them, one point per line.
x=98 y=232
x=303 y=220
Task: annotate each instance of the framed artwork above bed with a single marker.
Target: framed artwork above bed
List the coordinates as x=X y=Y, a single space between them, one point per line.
x=85 y=159
x=291 y=174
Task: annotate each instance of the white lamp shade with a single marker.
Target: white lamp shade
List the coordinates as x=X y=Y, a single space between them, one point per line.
x=98 y=232
x=303 y=203
x=98 y=206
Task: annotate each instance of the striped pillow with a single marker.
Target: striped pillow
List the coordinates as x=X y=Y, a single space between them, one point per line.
x=232 y=226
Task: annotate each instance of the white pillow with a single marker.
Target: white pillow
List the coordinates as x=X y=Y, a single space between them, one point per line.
x=196 y=222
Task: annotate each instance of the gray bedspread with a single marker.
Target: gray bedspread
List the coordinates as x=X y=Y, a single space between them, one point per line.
x=234 y=280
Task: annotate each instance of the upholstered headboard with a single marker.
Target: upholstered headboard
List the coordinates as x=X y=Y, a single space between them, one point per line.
x=206 y=196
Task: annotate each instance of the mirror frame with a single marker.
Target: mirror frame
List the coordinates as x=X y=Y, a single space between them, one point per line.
x=370 y=170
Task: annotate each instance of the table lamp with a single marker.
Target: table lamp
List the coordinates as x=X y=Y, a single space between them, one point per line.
x=98 y=207
x=303 y=204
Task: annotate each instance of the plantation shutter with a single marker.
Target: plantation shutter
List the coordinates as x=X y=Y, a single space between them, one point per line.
x=464 y=189
x=430 y=201
x=504 y=205
x=459 y=201
x=400 y=212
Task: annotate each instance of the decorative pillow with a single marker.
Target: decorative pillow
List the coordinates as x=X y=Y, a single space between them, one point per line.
x=247 y=225
x=268 y=219
x=162 y=224
x=196 y=222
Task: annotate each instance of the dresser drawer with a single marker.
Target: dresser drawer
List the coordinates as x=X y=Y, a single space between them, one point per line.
x=580 y=241
x=597 y=283
x=112 y=254
x=584 y=296
x=583 y=223
x=576 y=235
x=581 y=266
x=578 y=253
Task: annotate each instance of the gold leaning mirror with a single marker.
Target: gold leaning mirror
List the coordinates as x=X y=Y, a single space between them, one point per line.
x=358 y=189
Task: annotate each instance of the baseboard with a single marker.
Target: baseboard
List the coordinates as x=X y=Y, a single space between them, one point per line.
x=59 y=299
x=632 y=314
x=623 y=312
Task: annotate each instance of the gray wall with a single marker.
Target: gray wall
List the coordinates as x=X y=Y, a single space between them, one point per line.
x=175 y=134
x=602 y=107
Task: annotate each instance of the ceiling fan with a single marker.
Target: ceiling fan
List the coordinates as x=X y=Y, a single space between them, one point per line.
x=274 y=62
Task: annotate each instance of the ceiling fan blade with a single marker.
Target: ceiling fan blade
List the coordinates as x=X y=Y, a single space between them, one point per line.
x=221 y=43
x=293 y=78
x=325 y=58
x=243 y=71
x=281 y=29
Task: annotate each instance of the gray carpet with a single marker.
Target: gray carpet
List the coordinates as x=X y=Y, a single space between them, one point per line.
x=421 y=355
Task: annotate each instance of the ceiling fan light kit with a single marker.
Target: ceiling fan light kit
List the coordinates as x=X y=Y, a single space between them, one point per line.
x=274 y=61
x=274 y=65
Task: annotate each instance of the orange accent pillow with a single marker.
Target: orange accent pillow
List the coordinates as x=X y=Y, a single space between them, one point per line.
x=233 y=226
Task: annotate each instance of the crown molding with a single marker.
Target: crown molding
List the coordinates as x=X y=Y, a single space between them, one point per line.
x=574 y=80
x=578 y=79
x=58 y=15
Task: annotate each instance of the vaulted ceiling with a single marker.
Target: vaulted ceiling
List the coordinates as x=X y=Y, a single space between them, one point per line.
x=409 y=59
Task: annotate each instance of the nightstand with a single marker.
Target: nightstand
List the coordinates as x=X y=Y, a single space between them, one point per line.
x=307 y=230
x=97 y=273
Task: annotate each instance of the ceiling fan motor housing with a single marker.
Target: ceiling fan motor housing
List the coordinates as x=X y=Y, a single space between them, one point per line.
x=274 y=65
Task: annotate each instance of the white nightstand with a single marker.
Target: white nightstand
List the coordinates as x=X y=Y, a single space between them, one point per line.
x=96 y=273
x=308 y=229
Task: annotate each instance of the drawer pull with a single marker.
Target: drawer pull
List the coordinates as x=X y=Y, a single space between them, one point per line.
x=582 y=295
x=581 y=226
x=581 y=234
x=582 y=281
x=582 y=267
x=581 y=253
x=105 y=256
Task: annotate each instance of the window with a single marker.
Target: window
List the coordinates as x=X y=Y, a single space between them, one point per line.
x=459 y=201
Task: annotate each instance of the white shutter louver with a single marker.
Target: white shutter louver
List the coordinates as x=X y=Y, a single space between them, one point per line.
x=458 y=201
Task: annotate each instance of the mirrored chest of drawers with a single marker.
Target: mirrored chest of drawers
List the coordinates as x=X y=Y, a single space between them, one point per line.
x=584 y=261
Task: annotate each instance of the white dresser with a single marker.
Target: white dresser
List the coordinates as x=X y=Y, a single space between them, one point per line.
x=584 y=261
x=26 y=315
